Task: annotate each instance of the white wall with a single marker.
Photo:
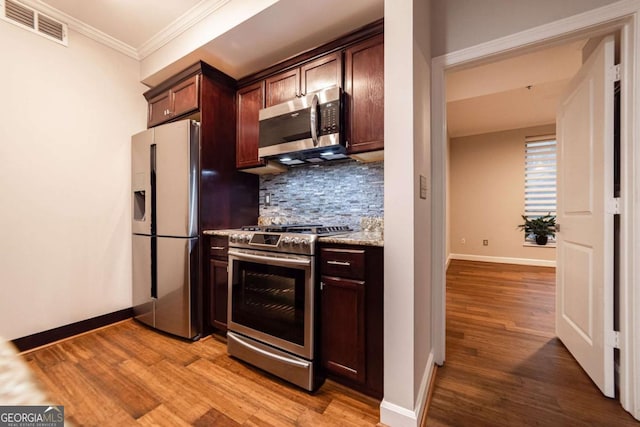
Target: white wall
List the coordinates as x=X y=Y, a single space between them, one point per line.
x=458 y=24
x=67 y=114
x=407 y=323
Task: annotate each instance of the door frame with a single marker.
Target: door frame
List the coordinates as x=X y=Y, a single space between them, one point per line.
x=623 y=16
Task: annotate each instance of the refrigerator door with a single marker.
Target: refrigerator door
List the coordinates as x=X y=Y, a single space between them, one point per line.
x=141 y=182
x=176 y=286
x=176 y=179
x=142 y=287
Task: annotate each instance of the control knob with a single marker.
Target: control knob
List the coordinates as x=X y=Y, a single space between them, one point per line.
x=305 y=242
x=287 y=240
x=296 y=241
x=233 y=238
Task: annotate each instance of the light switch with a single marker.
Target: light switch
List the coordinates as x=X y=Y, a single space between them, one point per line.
x=423 y=187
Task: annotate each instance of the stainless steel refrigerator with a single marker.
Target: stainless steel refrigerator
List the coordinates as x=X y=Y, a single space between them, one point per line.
x=164 y=178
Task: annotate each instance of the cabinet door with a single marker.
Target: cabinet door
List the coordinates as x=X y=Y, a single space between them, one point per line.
x=250 y=100
x=185 y=96
x=364 y=89
x=343 y=327
x=323 y=73
x=283 y=87
x=218 y=291
x=159 y=109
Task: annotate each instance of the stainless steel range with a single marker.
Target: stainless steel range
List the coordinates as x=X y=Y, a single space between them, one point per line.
x=272 y=294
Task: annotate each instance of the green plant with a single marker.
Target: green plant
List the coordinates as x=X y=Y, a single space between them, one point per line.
x=539 y=226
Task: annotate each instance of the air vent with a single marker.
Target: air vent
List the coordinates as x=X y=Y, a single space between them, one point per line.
x=20 y=14
x=34 y=21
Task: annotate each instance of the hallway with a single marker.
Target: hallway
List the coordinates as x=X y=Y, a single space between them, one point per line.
x=504 y=366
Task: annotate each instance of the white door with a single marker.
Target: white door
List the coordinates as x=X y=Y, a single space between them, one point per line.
x=584 y=295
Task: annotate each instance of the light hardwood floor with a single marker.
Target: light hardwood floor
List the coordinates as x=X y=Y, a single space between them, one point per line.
x=504 y=366
x=127 y=374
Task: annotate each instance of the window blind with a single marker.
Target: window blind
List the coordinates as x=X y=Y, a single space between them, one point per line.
x=540 y=176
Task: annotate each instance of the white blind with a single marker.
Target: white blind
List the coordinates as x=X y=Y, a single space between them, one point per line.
x=540 y=176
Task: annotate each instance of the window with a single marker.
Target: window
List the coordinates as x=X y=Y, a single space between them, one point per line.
x=540 y=176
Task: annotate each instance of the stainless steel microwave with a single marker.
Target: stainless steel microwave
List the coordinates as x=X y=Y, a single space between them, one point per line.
x=305 y=129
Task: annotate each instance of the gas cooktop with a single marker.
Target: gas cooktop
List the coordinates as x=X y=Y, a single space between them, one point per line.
x=315 y=229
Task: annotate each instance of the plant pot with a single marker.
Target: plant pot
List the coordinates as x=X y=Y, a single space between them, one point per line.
x=542 y=240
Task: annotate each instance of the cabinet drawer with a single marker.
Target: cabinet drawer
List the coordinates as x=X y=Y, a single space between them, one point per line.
x=338 y=262
x=219 y=247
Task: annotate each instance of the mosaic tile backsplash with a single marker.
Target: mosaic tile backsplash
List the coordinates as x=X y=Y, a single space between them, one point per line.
x=334 y=193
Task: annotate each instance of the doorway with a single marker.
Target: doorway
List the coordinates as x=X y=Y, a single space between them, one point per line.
x=589 y=26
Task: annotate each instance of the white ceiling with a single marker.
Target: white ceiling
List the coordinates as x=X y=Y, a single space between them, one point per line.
x=282 y=30
x=495 y=96
x=485 y=98
x=133 y=22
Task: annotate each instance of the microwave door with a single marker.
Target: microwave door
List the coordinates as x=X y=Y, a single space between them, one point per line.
x=286 y=133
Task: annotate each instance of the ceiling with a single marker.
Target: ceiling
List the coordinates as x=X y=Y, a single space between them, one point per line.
x=517 y=92
x=512 y=93
x=280 y=31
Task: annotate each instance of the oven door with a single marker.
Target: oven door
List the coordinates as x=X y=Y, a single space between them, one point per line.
x=271 y=299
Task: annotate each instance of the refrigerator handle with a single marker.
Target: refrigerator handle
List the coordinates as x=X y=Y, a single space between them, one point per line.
x=154 y=243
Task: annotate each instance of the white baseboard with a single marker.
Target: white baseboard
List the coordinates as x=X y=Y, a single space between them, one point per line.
x=504 y=260
x=398 y=416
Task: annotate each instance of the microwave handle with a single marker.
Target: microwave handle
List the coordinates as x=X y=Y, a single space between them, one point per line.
x=314 y=119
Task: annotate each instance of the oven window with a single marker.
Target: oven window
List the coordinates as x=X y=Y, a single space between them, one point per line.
x=269 y=299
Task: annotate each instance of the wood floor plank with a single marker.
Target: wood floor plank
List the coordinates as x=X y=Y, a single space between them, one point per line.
x=504 y=366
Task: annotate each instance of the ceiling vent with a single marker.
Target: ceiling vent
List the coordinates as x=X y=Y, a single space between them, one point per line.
x=34 y=21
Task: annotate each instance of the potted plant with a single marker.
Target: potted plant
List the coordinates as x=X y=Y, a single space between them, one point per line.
x=540 y=227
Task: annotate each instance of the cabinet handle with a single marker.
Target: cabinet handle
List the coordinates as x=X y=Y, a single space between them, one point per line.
x=217 y=248
x=343 y=263
x=346 y=144
x=322 y=286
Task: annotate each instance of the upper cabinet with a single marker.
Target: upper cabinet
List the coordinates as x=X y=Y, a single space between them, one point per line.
x=249 y=101
x=354 y=62
x=364 y=96
x=175 y=101
x=323 y=73
x=283 y=86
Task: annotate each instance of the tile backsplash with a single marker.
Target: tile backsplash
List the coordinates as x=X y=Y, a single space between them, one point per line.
x=333 y=193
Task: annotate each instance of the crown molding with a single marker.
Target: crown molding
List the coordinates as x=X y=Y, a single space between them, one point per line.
x=84 y=29
x=194 y=15
x=190 y=18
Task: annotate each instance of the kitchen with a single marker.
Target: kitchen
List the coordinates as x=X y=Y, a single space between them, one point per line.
x=63 y=155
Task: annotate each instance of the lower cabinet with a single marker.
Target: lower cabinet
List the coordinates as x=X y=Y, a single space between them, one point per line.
x=351 y=316
x=217 y=282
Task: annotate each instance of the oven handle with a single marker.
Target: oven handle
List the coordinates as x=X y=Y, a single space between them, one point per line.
x=271 y=258
x=273 y=356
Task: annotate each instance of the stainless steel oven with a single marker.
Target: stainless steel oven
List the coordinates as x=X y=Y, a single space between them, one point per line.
x=272 y=293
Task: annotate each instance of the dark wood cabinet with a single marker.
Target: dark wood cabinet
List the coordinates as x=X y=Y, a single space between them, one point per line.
x=249 y=101
x=282 y=87
x=218 y=282
x=364 y=95
x=351 y=316
x=322 y=73
x=343 y=327
x=354 y=62
x=174 y=102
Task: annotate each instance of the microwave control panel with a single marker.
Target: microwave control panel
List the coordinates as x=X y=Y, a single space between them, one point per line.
x=329 y=118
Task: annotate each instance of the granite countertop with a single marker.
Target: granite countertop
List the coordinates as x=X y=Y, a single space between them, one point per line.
x=366 y=238
x=218 y=232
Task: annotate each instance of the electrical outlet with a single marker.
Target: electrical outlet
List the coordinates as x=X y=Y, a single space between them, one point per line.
x=267 y=199
x=485 y=243
x=463 y=241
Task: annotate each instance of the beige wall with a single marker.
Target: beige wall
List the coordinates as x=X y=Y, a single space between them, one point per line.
x=487 y=195
x=458 y=24
x=67 y=117
x=408 y=348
